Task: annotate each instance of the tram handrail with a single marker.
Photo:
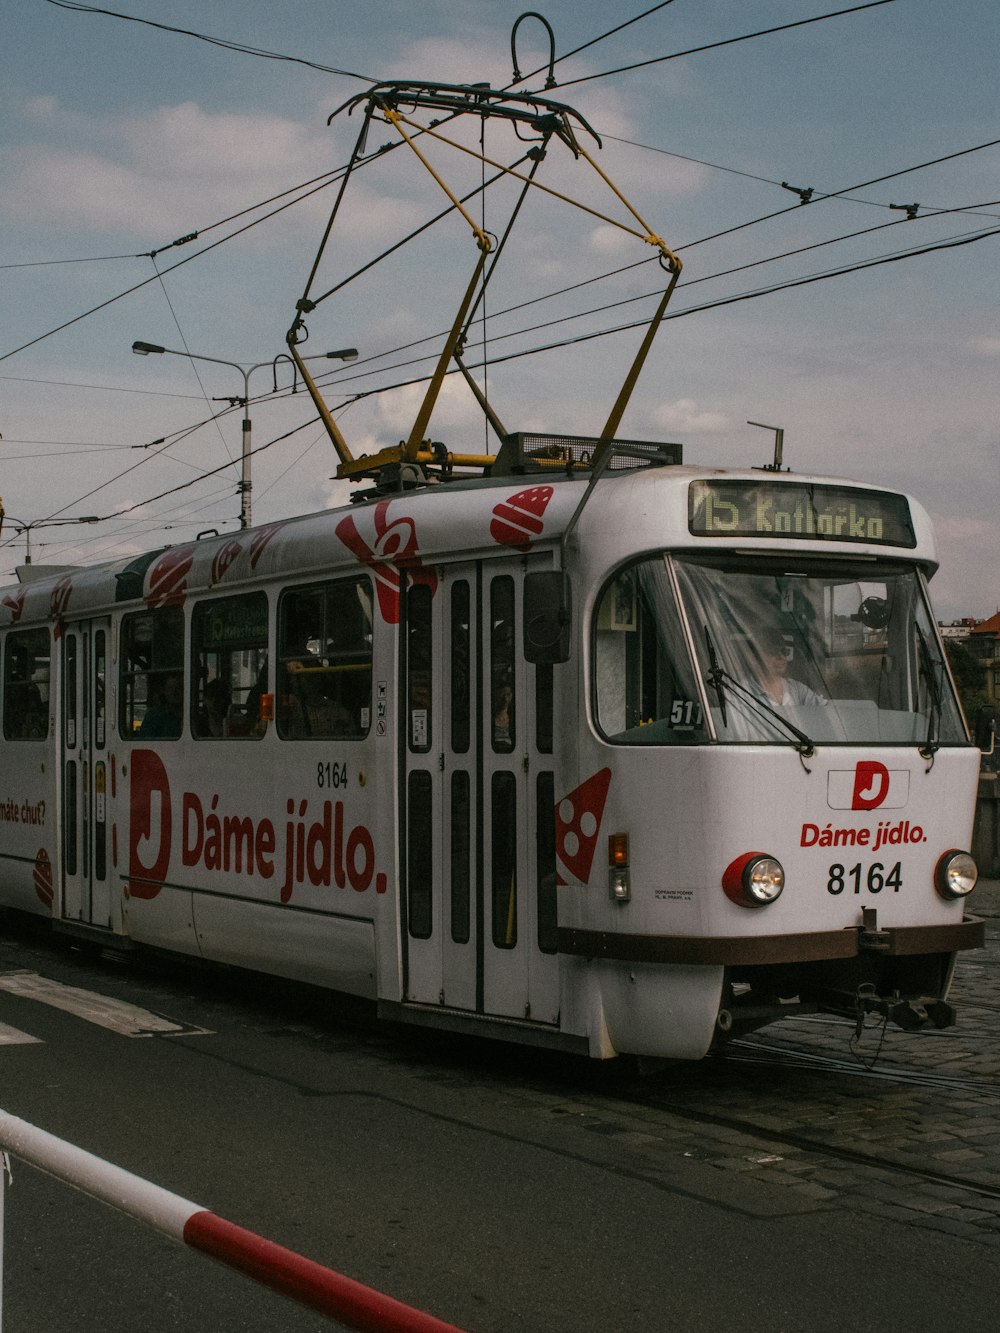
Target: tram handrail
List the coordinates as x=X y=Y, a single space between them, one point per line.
x=351 y=1303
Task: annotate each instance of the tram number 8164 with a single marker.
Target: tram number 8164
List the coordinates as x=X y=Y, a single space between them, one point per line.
x=874 y=881
x=331 y=774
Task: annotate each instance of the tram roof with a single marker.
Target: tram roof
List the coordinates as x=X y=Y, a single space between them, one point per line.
x=626 y=511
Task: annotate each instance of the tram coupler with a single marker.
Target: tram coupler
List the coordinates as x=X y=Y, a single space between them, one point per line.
x=870 y=938
x=905 y=1014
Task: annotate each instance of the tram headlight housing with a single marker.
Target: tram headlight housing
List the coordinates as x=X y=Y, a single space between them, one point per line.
x=754 y=879
x=619 y=878
x=955 y=874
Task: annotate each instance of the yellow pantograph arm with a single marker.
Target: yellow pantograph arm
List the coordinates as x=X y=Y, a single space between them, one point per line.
x=645 y=235
x=650 y=236
x=396 y=120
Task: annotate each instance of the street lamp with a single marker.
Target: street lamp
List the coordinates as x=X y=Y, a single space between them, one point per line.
x=21 y=525
x=245 y=485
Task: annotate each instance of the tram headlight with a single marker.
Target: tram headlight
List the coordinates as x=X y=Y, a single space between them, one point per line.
x=955 y=874
x=754 y=879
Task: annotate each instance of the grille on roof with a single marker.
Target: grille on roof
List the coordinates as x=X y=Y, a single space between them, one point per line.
x=527 y=452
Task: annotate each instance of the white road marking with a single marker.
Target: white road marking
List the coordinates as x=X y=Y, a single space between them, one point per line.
x=117 y=1015
x=13 y=1037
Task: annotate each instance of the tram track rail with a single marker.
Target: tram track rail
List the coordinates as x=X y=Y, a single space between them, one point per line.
x=781 y=1138
x=740 y=1051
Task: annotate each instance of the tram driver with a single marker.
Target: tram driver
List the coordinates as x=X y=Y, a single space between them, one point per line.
x=769 y=678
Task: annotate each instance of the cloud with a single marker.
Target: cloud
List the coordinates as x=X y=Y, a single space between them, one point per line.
x=156 y=172
x=41 y=108
x=610 y=241
x=685 y=414
x=455 y=413
x=958 y=588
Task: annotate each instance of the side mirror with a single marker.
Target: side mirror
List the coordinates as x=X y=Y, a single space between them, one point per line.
x=547 y=616
x=985 y=729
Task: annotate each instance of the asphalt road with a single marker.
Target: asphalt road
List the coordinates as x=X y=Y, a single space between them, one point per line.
x=497 y=1188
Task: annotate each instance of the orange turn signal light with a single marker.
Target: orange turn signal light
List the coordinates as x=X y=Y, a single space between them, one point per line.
x=618 y=850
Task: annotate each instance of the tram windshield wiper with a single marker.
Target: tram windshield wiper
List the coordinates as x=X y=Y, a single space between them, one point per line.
x=715 y=676
x=931 y=745
x=720 y=677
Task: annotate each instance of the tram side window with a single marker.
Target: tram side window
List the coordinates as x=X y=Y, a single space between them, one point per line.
x=544 y=706
x=503 y=868
x=419 y=856
x=229 y=667
x=645 y=688
x=152 y=675
x=325 y=661
x=26 y=674
x=502 y=699
x=419 y=667
x=461 y=667
x=545 y=863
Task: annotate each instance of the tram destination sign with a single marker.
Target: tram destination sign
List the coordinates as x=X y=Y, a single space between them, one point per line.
x=799 y=511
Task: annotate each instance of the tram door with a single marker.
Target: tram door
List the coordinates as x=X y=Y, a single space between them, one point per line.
x=85 y=854
x=479 y=853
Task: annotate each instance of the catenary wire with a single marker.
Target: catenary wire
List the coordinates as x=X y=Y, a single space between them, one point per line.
x=727 y=41
x=342 y=378
x=193 y=361
x=736 y=298
x=602 y=37
x=767 y=180
x=81 y=259
x=240 y=47
x=908 y=169
x=590 y=336
x=743 y=296
x=197 y=254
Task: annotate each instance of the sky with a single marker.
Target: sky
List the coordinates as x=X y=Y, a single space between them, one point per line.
x=119 y=138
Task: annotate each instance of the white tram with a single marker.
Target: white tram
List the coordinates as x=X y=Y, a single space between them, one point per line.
x=572 y=744
x=619 y=760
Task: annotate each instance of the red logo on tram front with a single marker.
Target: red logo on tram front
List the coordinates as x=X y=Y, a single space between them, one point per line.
x=578 y=822
x=871 y=785
x=394 y=547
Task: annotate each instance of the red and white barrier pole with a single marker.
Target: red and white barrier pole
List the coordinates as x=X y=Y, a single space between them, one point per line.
x=353 y=1304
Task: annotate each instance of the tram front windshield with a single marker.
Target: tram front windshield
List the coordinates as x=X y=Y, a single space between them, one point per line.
x=833 y=651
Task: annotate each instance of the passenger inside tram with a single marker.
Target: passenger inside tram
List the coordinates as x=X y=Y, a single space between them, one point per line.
x=214 y=715
x=165 y=709
x=313 y=707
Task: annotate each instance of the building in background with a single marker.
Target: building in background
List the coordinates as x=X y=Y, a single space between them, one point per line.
x=984 y=644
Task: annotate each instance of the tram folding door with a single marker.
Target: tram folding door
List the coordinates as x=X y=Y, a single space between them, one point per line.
x=83 y=740
x=477 y=856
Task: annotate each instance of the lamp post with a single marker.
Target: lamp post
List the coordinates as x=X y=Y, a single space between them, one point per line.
x=245 y=484
x=21 y=525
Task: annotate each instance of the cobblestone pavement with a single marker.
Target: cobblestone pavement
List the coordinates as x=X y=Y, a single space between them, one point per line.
x=916 y=1137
